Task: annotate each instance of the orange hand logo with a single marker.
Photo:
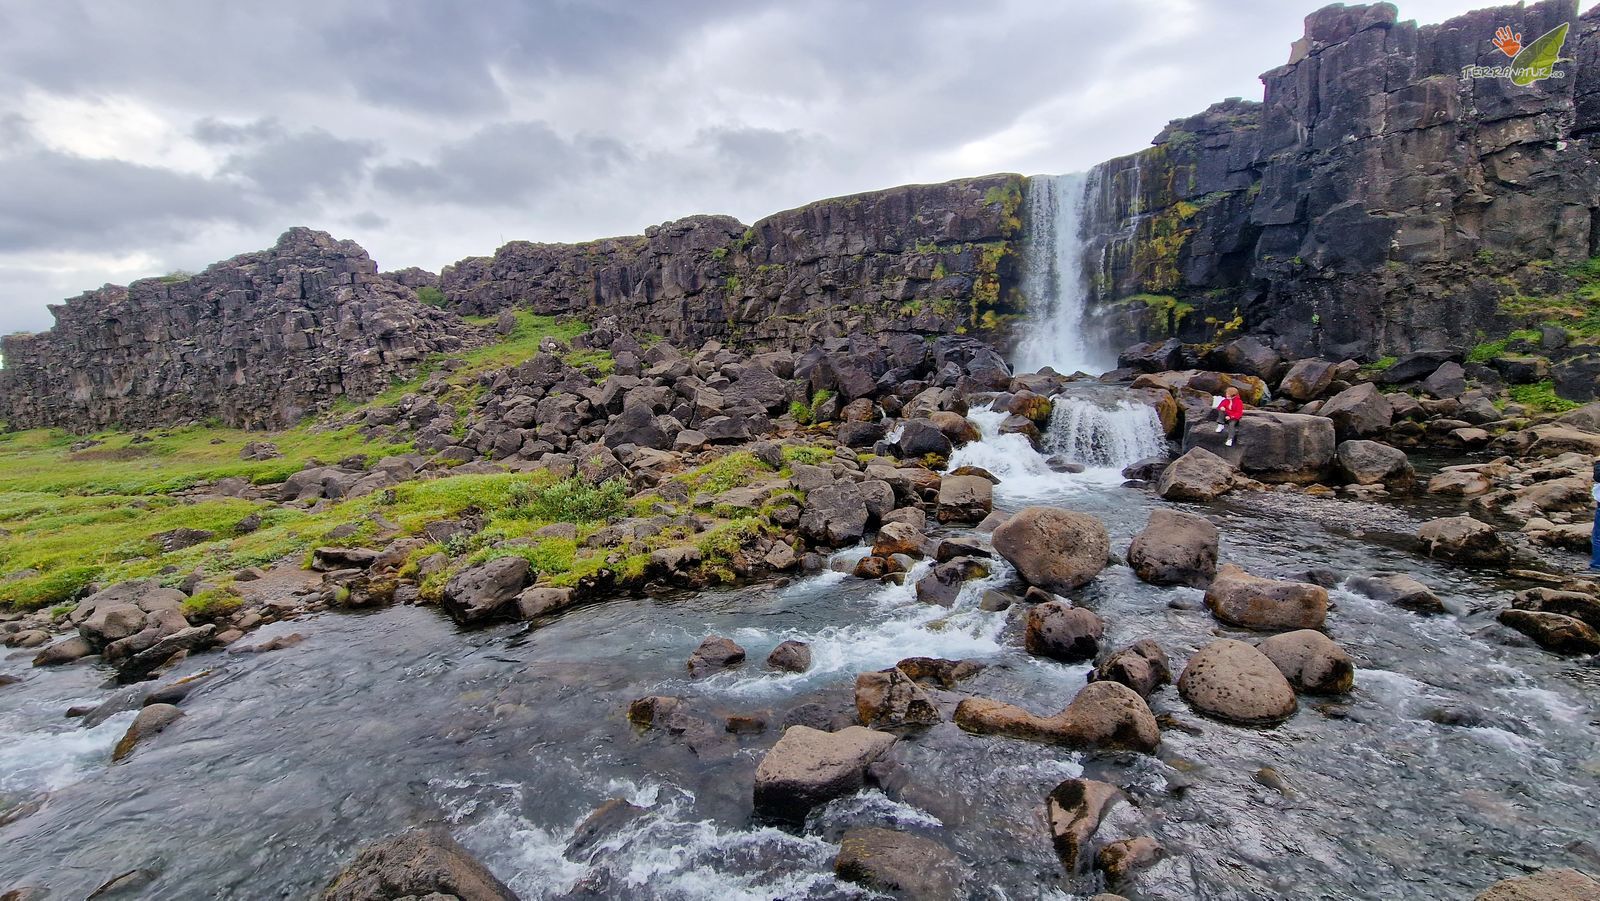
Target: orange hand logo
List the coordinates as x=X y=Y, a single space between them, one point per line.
x=1507 y=42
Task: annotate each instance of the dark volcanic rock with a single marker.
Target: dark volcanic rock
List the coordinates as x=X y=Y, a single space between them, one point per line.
x=421 y=863
x=900 y=864
x=1175 y=549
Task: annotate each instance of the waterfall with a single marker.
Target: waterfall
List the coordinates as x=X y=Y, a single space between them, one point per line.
x=1112 y=434
x=1054 y=280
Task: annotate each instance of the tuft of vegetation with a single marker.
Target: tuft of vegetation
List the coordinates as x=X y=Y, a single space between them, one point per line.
x=211 y=603
x=430 y=296
x=732 y=471
x=573 y=500
x=1540 y=397
x=806 y=453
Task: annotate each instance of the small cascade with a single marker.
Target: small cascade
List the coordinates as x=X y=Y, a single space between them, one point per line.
x=1104 y=433
x=1053 y=279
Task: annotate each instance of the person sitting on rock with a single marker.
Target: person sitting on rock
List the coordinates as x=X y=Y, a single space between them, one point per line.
x=1229 y=412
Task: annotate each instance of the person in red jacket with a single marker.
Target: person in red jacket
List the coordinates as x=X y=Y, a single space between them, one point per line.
x=1229 y=412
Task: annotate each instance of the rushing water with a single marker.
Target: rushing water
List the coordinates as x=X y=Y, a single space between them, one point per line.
x=1458 y=759
x=1054 y=280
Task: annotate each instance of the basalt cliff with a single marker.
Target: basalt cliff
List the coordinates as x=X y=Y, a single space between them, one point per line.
x=1379 y=200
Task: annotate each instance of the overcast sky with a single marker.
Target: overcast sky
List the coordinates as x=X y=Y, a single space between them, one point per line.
x=138 y=138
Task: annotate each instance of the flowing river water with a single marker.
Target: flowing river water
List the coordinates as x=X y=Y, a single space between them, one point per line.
x=1461 y=756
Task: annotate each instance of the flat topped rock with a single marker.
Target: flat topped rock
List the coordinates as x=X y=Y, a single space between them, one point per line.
x=808 y=767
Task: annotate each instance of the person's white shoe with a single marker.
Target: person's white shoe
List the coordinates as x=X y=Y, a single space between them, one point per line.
x=1229 y=442
x=1219 y=428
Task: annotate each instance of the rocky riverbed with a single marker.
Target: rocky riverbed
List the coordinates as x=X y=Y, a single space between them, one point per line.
x=871 y=620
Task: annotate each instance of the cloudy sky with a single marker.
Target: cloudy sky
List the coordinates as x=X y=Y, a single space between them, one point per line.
x=138 y=138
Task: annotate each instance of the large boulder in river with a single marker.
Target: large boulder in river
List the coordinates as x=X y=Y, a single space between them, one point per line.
x=714 y=653
x=1102 y=715
x=890 y=698
x=1232 y=681
x=1060 y=631
x=1198 y=475
x=1175 y=549
x=1462 y=539
x=1555 y=632
x=808 y=767
x=1311 y=661
x=1545 y=885
x=1399 y=589
x=1371 y=463
x=1075 y=809
x=900 y=864
x=1054 y=549
x=421 y=863
x=1142 y=666
x=965 y=498
x=482 y=592
x=1240 y=599
x=152 y=718
x=1358 y=411
x=1272 y=447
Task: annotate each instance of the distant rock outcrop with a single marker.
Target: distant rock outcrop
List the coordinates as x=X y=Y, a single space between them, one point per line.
x=256 y=341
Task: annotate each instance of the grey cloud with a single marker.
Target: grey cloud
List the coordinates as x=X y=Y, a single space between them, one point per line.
x=289 y=168
x=216 y=132
x=506 y=164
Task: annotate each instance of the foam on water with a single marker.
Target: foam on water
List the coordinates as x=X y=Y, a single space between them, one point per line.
x=53 y=759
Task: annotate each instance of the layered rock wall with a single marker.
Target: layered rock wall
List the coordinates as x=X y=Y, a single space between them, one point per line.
x=255 y=341
x=1376 y=201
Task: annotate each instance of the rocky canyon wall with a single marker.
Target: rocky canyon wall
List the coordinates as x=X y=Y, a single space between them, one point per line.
x=1376 y=201
x=255 y=341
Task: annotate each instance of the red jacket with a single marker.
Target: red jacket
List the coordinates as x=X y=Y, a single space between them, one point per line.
x=1233 y=406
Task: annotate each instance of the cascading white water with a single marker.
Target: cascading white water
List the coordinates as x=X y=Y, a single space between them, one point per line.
x=1053 y=279
x=1112 y=434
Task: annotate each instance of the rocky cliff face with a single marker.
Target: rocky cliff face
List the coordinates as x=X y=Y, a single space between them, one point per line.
x=1377 y=201
x=255 y=341
x=929 y=259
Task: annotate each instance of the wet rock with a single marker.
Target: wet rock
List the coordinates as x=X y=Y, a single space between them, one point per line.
x=1121 y=859
x=808 y=767
x=898 y=538
x=790 y=656
x=1074 y=810
x=1142 y=666
x=1462 y=539
x=485 y=591
x=1458 y=482
x=542 y=600
x=939 y=671
x=919 y=438
x=890 y=698
x=900 y=864
x=1576 y=604
x=1103 y=715
x=1545 y=885
x=1240 y=599
x=1060 y=631
x=1054 y=549
x=1232 y=681
x=1371 y=463
x=1399 y=589
x=124 y=884
x=1198 y=475
x=150 y=720
x=1311 y=661
x=67 y=650
x=713 y=654
x=1554 y=632
x=942 y=584
x=965 y=499
x=605 y=821
x=956 y=427
x=275 y=643
x=1175 y=549
x=164 y=651
x=653 y=712
x=421 y=863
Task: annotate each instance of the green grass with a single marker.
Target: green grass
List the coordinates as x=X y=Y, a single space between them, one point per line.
x=732 y=471
x=1540 y=397
x=431 y=296
x=806 y=453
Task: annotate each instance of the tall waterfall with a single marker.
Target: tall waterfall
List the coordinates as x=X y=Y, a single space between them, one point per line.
x=1111 y=434
x=1053 y=279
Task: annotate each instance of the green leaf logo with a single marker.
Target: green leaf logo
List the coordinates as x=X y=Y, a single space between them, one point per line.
x=1537 y=60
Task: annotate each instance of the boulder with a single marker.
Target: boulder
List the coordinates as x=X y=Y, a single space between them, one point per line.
x=543 y=600
x=1120 y=859
x=954 y=426
x=1175 y=549
x=890 y=698
x=1142 y=666
x=1545 y=885
x=1358 y=411
x=808 y=767
x=1371 y=463
x=1153 y=356
x=1054 y=549
x=1554 y=632
x=900 y=865
x=1399 y=589
x=1074 y=810
x=714 y=653
x=965 y=498
x=898 y=538
x=920 y=437
x=67 y=650
x=1311 y=661
x=1102 y=715
x=1449 y=380
x=790 y=656
x=1232 y=681
x=942 y=584
x=421 y=863
x=1240 y=599
x=1272 y=447
x=1458 y=482
x=1462 y=539
x=1576 y=604
x=1198 y=475
x=483 y=592
x=151 y=719
x=1246 y=355
x=1307 y=379
x=835 y=515
x=1417 y=364
x=1060 y=631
